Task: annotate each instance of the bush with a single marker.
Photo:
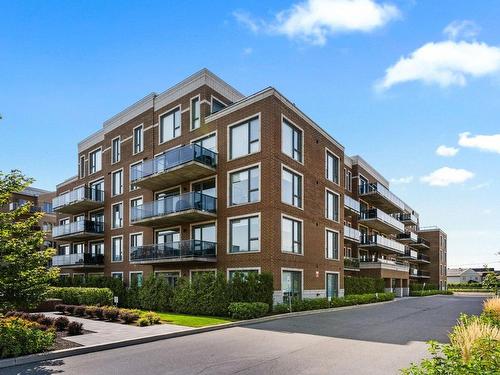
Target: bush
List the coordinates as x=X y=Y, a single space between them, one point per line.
x=247 y=310
x=129 y=317
x=425 y=293
x=143 y=322
x=491 y=310
x=111 y=313
x=20 y=337
x=473 y=285
x=361 y=299
x=155 y=294
x=90 y=311
x=82 y=296
x=419 y=287
x=79 y=310
x=69 y=309
x=310 y=304
x=61 y=308
x=363 y=285
x=152 y=318
x=75 y=328
x=46 y=321
x=61 y=323
x=99 y=313
x=281 y=308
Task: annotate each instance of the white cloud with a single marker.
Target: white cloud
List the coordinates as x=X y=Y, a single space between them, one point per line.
x=446 y=151
x=444 y=63
x=465 y=29
x=446 y=176
x=489 y=143
x=480 y=186
x=402 y=180
x=313 y=21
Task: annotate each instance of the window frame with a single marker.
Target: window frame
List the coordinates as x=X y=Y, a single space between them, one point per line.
x=81 y=167
x=229 y=184
x=134 y=152
x=130 y=273
x=112 y=215
x=326 y=282
x=191 y=112
x=90 y=159
x=326 y=205
x=118 y=155
x=122 y=187
x=326 y=243
x=293 y=220
x=230 y=237
x=294 y=173
x=245 y=121
x=238 y=269
x=160 y=129
x=335 y=156
x=113 y=249
x=212 y=97
x=295 y=128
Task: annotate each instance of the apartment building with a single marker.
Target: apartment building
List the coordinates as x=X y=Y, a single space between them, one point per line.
x=437 y=241
x=201 y=178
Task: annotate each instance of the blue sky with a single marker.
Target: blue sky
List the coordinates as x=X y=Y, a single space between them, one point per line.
x=65 y=67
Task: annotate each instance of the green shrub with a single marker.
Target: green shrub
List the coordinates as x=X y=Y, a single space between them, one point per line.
x=152 y=318
x=128 y=317
x=363 y=285
x=425 y=293
x=61 y=308
x=79 y=310
x=20 y=337
x=251 y=288
x=310 y=304
x=420 y=287
x=155 y=294
x=111 y=313
x=75 y=328
x=472 y=285
x=82 y=296
x=281 y=308
x=247 y=310
x=132 y=299
x=99 y=313
x=90 y=311
x=143 y=322
x=361 y=299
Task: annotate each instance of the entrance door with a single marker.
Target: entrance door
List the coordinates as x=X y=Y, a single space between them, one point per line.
x=332 y=285
x=291 y=283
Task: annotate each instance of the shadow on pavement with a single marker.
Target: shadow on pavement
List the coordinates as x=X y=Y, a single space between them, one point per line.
x=39 y=368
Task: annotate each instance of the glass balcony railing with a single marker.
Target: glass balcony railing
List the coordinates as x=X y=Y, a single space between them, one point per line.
x=407 y=236
x=411 y=253
x=352 y=263
x=378 y=188
x=422 y=242
x=351 y=203
x=174 y=251
x=368 y=261
x=173 y=158
x=423 y=257
x=77 y=260
x=77 y=195
x=375 y=213
x=406 y=217
x=419 y=273
x=82 y=226
x=376 y=240
x=174 y=204
x=352 y=233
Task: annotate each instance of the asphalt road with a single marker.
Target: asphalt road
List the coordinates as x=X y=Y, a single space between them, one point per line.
x=373 y=340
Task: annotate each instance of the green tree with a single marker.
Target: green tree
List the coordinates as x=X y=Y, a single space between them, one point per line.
x=24 y=275
x=490 y=281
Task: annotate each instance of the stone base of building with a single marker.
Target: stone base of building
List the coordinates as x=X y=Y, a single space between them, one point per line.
x=406 y=292
x=311 y=293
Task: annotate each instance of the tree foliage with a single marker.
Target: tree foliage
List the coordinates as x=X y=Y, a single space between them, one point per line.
x=24 y=275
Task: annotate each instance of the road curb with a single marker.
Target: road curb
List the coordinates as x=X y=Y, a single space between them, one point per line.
x=32 y=358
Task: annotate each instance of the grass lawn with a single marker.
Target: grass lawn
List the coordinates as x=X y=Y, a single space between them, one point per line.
x=191 y=320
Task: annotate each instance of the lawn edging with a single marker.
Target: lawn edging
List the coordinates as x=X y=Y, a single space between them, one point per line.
x=32 y=358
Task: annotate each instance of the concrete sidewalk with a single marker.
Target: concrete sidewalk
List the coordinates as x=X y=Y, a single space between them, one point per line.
x=107 y=332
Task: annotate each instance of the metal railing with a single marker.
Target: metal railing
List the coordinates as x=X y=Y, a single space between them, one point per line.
x=173 y=158
x=351 y=262
x=351 y=203
x=376 y=187
x=419 y=273
x=401 y=266
x=352 y=233
x=77 y=259
x=77 y=195
x=375 y=213
x=174 y=250
x=376 y=239
x=411 y=253
x=406 y=216
x=87 y=226
x=174 y=204
x=407 y=236
x=423 y=241
x=423 y=257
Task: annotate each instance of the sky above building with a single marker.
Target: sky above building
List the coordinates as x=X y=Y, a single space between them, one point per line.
x=412 y=86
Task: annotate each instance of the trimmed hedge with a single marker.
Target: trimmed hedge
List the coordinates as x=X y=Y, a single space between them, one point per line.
x=19 y=337
x=82 y=296
x=472 y=285
x=247 y=310
x=470 y=290
x=115 y=285
x=363 y=285
x=425 y=293
x=420 y=287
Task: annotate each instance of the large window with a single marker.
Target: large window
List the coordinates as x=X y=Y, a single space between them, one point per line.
x=95 y=161
x=332 y=206
x=332 y=244
x=217 y=105
x=82 y=167
x=117 y=215
x=332 y=167
x=138 y=139
x=291 y=235
x=291 y=188
x=170 y=125
x=116 y=249
x=97 y=248
x=136 y=278
x=195 y=113
x=291 y=140
x=244 y=186
x=117 y=183
x=207 y=187
x=332 y=285
x=171 y=277
x=244 y=138
x=244 y=234
x=136 y=239
x=115 y=150
x=243 y=272
x=291 y=284
x=205 y=232
x=348 y=180
x=209 y=142
x=78 y=248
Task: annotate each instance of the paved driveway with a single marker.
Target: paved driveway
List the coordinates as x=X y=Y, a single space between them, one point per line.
x=371 y=340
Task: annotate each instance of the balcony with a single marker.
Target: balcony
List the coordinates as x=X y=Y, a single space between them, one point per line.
x=179 y=209
x=380 y=221
x=419 y=273
x=378 y=195
x=351 y=234
x=406 y=218
x=174 y=167
x=171 y=252
x=351 y=204
x=409 y=254
x=78 y=200
x=407 y=237
x=78 y=260
x=422 y=258
x=78 y=230
x=377 y=242
x=383 y=264
x=421 y=244
x=351 y=264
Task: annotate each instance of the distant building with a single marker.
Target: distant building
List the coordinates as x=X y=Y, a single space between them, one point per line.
x=463 y=275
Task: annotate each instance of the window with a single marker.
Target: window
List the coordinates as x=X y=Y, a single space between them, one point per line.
x=244 y=234
x=97 y=248
x=291 y=188
x=170 y=125
x=116 y=249
x=135 y=240
x=332 y=285
x=291 y=235
x=63 y=249
x=117 y=183
x=209 y=142
x=136 y=202
x=136 y=278
x=170 y=276
x=197 y=273
x=244 y=138
x=138 y=140
x=244 y=186
x=115 y=150
x=117 y=275
x=217 y=105
x=195 y=113
x=291 y=284
x=332 y=206
x=205 y=232
x=95 y=161
x=117 y=218
x=332 y=244
x=348 y=180
x=207 y=187
x=243 y=272
x=82 y=166
x=291 y=141
x=135 y=171
x=332 y=167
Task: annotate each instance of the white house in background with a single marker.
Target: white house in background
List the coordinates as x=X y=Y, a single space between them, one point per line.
x=462 y=275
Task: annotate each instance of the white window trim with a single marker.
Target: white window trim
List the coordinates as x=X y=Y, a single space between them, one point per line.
x=80 y=175
x=191 y=112
x=117 y=273
x=212 y=97
x=142 y=139
x=239 y=169
x=284 y=166
x=301 y=270
x=240 y=122
x=328 y=151
x=123 y=249
x=249 y=268
x=119 y=151
x=327 y=229
x=338 y=281
x=123 y=215
x=130 y=207
x=88 y=158
x=207 y=136
x=326 y=205
x=204 y=179
x=130 y=273
x=179 y=107
x=285 y=216
x=228 y=234
x=113 y=180
x=283 y=117
x=194 y=270
x=178 y=228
